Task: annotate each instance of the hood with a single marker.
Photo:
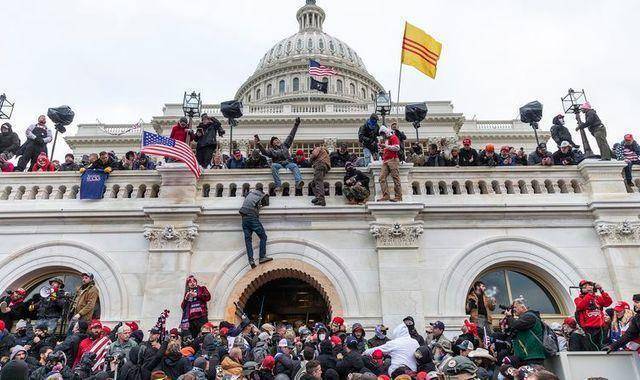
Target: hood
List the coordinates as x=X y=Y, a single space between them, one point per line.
x=401 y=331
x=8 y=126
x=379 y=333
x=423 y=355
x=356 y=326
x=172 y=359
x=556 y=120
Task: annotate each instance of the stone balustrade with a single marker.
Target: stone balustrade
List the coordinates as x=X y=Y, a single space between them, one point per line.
x=418 y=183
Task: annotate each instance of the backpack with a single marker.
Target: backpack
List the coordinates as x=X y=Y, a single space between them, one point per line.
x=549 y=340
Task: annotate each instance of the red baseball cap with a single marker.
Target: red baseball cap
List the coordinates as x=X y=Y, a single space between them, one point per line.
x=299 y=152
x=628 y=137
x=620 y=306
x=570 y=321
x=268 y=362
x=377 y=354
x=336 y=340
x=466 y=142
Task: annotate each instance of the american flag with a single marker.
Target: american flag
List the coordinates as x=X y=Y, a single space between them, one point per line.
x=168 y=147
x=316 y=69
x=100 y=348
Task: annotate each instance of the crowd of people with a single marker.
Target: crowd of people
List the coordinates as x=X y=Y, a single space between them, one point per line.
x=36 y=346
x=378 y=142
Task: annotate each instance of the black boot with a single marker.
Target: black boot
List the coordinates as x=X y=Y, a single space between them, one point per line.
x=265 y=259
x=252 y=263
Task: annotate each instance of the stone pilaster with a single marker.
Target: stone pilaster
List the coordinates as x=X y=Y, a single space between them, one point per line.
x=621 y=248
x=172 y=237
x=397 y=235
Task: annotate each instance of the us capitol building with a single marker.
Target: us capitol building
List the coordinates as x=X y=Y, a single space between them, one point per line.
x=532 y=231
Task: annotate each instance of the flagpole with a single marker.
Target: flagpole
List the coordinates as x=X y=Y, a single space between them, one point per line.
x=400 y=71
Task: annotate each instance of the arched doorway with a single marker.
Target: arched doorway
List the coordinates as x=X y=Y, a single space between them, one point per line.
x=287 y=299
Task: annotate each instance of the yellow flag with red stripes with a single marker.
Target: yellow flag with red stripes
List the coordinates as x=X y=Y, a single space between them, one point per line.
x=420 y=50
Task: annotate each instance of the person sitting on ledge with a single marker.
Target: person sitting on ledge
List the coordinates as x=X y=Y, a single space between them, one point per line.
x=279 y=153
x=566 y=155
x=356 y=185
x=628 y=151
x=236 y=161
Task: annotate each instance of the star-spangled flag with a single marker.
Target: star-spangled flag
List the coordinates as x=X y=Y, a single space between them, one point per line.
x=100 y=348
x=165 y=146
x=317 y=70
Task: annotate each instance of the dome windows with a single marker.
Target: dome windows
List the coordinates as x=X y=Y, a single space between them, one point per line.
x=279 y=51
x=281 y=87
x=296 y=84
x=299 y=45
x=289 y=46
x=332 y=47
x=310 y=44
x=269 y=90
x=258 y=93
x=321 y=44
x=339 y=86
x=341 y=49
x=352 y=89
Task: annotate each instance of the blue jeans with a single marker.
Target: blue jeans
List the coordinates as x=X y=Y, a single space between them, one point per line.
x=275 y=170
x=369 y=156
x=627 y=169
x=250 y=225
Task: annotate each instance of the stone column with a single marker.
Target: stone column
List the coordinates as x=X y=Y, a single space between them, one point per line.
x=397 y=235
x=171 y=238
x=621 y=248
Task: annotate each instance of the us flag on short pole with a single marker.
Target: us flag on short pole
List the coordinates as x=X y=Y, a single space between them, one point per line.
x=317 y=70
x=165 y=146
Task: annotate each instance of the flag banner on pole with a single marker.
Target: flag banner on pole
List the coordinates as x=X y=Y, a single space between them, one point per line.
x=420 y=50
x=165 y=146
x=320 y=86
x=317 y=70
x=92 y=184
x=100 y=348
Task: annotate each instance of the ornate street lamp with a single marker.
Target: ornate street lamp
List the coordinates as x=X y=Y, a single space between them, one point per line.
x=191 y=104
x=383 y=104
x=6 y=107
x=571 y=104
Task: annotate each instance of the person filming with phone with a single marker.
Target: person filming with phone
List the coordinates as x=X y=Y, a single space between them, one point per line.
x=589 y=313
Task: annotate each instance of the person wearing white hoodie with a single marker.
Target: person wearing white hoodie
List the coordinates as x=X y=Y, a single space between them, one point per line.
x=401 y=349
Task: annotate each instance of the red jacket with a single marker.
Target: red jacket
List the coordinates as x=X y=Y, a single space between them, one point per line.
x=589 y=309
x=197 y=307
x=179 y=133
x=390 y=154
x=84 y=346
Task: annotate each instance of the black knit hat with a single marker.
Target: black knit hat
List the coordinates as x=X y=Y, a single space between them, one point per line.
x=636 y=298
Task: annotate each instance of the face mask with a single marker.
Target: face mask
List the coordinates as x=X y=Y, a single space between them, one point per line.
x=321 y=336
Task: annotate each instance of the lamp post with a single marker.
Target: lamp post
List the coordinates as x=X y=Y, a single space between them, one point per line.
x=383 y=104
x=6 y=107
x=571 y=104
x=191 y=106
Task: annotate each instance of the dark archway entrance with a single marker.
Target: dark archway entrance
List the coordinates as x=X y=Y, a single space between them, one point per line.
x=287 y=299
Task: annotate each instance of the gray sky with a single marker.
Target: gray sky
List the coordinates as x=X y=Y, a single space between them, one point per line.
x=121 y=60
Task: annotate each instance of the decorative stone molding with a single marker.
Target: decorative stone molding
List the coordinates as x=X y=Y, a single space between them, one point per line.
x=172 y=238
x=243 y=145
x=619 y=233
x=396 y=235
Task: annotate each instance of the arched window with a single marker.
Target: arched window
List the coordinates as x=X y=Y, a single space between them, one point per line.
x=269 y=89
x=363 y=93
x=296 y=84
x=339 y=86
x=352 y=89
x=506 y=284
x=281 y=87
x=258 y=94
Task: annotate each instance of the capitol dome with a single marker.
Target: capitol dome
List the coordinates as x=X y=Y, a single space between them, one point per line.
x=282 y=76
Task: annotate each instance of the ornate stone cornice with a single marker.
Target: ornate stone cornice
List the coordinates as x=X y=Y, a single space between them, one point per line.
x=396 y=235
x=170 y=238
x=625 y=233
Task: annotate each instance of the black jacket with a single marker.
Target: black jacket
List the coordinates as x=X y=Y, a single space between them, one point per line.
x=358 y=176
x=577 y=342
x=210 y=133
x=9 y=142
x=70 y=345
x=468 y=157
x=368 y=137
x=350 y=363
x=326 y=358
x=6 y=342
x=434 y=160
x=174 y=366
x=560 y=133
x=287 y=365
x=280 y=154
x=51 y=308
x=339 y=160
x=572 y=157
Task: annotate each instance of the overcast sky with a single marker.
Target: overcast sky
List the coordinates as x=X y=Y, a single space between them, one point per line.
x=121 y=60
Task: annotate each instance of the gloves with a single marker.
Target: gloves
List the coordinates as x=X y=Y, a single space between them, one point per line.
x=108 y=170
x=297 y=121
x=82 y=170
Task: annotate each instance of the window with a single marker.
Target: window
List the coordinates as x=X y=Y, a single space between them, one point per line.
x=249 y=99
x=339 y=86
x=281 y=87
x=310 y=44
x=258 y=94
x=269 y=89
x=352 y=89
x=363 y=92
x=507 y=284
x=296 y=84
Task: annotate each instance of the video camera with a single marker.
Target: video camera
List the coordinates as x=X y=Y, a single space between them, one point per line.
x=117 y=356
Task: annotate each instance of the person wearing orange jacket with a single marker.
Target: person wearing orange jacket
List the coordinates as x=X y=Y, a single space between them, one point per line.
x=590 y=315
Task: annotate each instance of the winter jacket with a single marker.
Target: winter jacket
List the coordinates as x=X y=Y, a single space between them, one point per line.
x=85 y=301
x=576 y=342
x=368 y=136
x=424 y=359
x=260 y=351
x=472 y=306
x=9 y=142
x=6 y=342
x=202 y=297
x=468 y=157
x=287 y=365
x=301 y=162
x=231 y=367
x=257 y=161
x=281 y=154
x=118 y=346
x=560 y=133
x=527 y=336
x=237 y=164
x=339 y=160
x=434 y=160
x=135 y=367
x=174 y=365
x=198 y=373
x=210 y=133
x=51 y=307
x=326 y=357
x=350 y=363
x=43 y=372
x=401 y=349
x=72 y=167
x=571 y=157
x=591 y=121
x=535 y=158
x=141 y=164
x=486 y=160
x=179 y=133
x=375 y=342
x=39 y=135
x=589 y=309
x=43 y=164
x=357 y=176
x=320 y=158
x=253 y=202
x=70 y=345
